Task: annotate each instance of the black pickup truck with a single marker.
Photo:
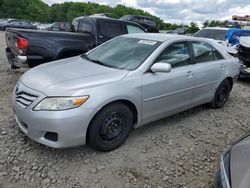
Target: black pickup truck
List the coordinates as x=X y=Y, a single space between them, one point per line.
x=28 y=48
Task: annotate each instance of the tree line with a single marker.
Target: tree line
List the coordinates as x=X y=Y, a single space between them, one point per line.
x=37 y=10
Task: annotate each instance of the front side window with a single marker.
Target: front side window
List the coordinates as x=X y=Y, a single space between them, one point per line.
x=204 y=52
x=176 y=55
x=123 y=53
x=134 y=29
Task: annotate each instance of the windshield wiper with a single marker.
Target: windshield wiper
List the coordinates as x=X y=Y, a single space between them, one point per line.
x=84 y=56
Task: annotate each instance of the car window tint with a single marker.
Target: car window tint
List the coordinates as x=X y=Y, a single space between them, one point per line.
x=111 y=29
x=176 y=54
x=203 y=52
x=134 y=29
x=85 y=27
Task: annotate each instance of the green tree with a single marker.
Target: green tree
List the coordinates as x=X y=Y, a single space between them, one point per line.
x=193 y=27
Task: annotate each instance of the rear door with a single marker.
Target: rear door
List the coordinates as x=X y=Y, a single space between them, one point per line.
x=209 y=69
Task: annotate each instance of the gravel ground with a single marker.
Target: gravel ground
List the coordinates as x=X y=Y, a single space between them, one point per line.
x=180 y=151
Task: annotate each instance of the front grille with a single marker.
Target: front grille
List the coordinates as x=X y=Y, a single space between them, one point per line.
x=24 y=99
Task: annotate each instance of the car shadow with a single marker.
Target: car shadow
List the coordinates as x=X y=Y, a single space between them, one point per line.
x=244 y=81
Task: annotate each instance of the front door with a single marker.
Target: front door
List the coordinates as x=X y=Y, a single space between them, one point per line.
x=167 y=93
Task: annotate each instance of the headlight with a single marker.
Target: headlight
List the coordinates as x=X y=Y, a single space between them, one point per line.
x=60 y=103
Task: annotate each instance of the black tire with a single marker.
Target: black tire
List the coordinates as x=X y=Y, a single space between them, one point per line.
x=221 y=95
x=110 y=127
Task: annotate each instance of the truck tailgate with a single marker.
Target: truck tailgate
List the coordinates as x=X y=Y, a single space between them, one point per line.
x=11 y=41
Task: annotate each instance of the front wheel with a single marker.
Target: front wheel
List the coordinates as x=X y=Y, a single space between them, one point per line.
x=221 y=94
x=110 y=127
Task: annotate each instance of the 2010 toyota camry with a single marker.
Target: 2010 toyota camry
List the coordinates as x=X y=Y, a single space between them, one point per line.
x=97 y=98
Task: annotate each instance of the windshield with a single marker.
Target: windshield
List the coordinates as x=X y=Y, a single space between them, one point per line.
x=212 y=34
x=123 y=53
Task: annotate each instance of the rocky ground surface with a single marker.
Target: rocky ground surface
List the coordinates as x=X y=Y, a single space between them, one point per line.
x=180 y=151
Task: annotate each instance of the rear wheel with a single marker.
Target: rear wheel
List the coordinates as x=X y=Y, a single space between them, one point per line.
x=221 y=94
x=110 y=127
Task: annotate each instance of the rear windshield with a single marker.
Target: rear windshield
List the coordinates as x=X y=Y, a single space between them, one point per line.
x=215 y=34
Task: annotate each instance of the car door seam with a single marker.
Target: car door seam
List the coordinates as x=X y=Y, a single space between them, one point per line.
x=173 y=93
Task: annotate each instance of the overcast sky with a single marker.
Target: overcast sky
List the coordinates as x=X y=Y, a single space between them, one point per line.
x=182 y=10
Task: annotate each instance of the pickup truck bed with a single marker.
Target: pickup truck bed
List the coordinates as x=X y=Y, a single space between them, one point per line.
x=44 y=46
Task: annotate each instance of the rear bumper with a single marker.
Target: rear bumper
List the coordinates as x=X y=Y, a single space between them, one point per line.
x=16 y=61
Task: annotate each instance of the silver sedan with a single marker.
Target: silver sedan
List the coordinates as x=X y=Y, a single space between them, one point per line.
x=99 y=97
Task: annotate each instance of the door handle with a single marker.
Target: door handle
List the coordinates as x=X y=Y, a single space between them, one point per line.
x=222 y=66
x=189 y=74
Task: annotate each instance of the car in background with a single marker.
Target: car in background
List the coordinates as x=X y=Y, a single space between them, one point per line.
x=29 y=48
x=218 y=34
x=21 y=24
x=234 y=169
x=43 y=26
x=99 y=97
x=3 y=23
x=145 y=21
x=59 y=26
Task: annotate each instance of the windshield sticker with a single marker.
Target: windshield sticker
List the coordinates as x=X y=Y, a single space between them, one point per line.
x=149 y=42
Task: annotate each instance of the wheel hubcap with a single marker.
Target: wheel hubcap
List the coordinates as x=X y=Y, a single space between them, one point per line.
x=222 y=94
x=112 y=126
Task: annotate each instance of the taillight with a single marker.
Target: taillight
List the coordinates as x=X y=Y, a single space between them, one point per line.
x=22 y=43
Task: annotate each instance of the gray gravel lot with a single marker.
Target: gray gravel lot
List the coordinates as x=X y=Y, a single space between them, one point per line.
x=180 y=151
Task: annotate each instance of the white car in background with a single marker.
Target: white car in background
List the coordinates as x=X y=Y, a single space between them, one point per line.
x=216 y=33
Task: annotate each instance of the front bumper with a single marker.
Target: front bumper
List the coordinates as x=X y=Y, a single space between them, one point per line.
x=68 y=128
x=244 y=72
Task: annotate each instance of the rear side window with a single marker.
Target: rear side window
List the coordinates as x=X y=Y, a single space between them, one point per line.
x=134 y=29
x=176 y=55
x=85 y=26
x=75 y=25
x=111 y=29
x=204 y=52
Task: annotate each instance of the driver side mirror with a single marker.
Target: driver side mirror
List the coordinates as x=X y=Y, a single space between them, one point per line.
x=161 y=67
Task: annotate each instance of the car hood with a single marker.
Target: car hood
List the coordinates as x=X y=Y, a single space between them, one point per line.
x=65 y=77
x=224 y=45
x=240 y=164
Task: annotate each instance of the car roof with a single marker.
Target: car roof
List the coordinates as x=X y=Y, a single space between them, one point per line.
x=107 y=18
x=160 y=37
x=139 y=16
x=216 y=28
